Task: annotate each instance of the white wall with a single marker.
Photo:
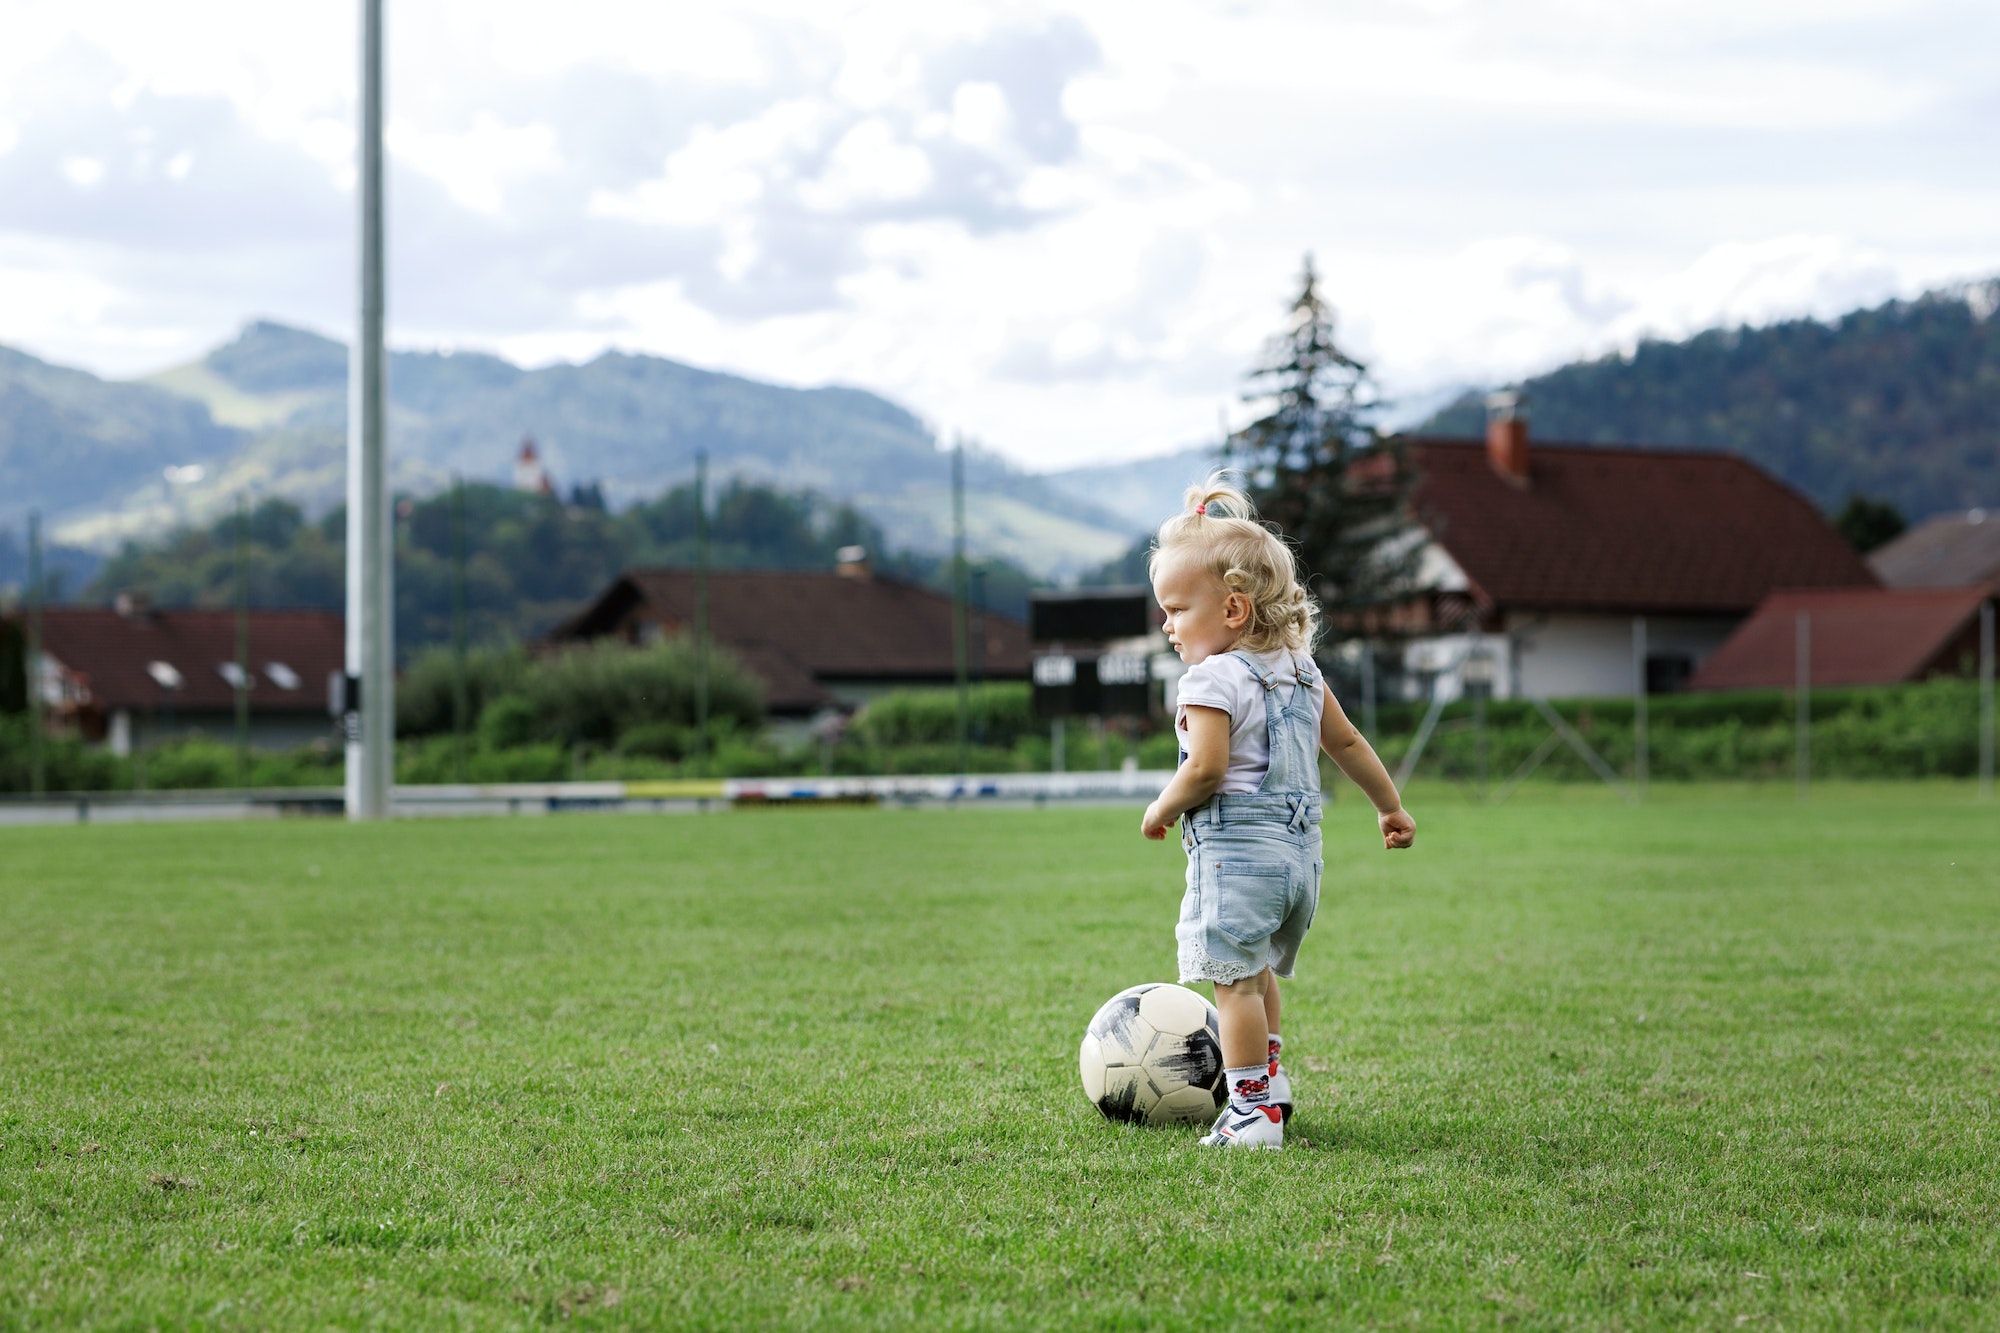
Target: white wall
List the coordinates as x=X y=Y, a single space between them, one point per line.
x=1580 y=656
x=1568 y=656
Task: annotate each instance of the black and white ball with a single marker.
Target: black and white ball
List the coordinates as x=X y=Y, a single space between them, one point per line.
x=1153 y=1056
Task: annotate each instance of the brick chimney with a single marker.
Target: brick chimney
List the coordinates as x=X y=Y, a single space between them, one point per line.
x=851 y=562
x=1507 y=436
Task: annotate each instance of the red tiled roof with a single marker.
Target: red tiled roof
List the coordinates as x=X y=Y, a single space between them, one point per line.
x=111 y=652
x=1625 y=529
x=1948 y=551
x=1855 y=636
x=799 y=631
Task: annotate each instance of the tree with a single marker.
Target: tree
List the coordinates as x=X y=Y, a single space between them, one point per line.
x=1868 y=523
x=1319 y=469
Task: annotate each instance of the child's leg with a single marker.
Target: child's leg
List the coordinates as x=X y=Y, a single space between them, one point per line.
x=1244 y=1009
x=1251 y=1120
x=1281 y=1082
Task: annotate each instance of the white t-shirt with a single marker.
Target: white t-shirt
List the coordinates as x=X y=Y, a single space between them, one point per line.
x=1224 y=681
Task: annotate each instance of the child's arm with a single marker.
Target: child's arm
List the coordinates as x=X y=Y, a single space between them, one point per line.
x=1354 y=756
x=1199 y=774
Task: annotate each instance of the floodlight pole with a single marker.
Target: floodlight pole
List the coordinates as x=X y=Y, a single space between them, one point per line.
x=461 y=709
x=958 y=653
x=371 y=734
x=1642 y=758
x=701 y=605
x=1986 y=700
x=1803 y=720
x=1368 y=689
x=242 y=643
x=37 y=772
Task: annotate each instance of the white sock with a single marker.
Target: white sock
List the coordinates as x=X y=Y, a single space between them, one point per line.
x=1249 y=1087
x=1277 y=1044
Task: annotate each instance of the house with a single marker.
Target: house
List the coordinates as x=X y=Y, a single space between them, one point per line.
x=130 y=675
x=1540 y=557
x=819 y=642
x=1955 y=550
x=1850 y=636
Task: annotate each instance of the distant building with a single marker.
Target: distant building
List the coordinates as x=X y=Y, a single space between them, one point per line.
x=819 y=643
x=530 y=475
x=1853 y=636
x=1543 y=554
x=1955 y=550
x=131 y=675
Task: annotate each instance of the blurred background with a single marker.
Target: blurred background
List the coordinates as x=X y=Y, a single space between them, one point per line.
x=1633 y=366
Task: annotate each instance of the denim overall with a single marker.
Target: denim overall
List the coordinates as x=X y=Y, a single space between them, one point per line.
x=1254 y=858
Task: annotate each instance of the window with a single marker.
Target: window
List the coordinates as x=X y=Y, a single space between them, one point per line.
x=281 y=675
x=1667 y=673
x=238 y=678
x=165 y=675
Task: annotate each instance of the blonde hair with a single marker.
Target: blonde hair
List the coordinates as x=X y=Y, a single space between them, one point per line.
x=1219 y=529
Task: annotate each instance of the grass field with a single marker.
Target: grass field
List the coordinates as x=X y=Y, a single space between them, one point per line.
x=1721 y=1061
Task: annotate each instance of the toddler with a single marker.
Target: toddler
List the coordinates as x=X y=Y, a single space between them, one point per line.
x=1252 y=717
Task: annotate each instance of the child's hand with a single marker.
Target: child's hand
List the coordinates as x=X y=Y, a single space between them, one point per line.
x=1398 y=830
x=1152 y=825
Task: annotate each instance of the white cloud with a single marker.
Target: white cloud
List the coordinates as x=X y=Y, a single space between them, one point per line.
x=477 y=165
x=868 y=165
x=979 y=114
x=82 y=172
x=720 y=172
x=1065 y=227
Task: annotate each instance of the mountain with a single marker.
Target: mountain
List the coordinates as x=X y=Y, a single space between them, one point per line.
x=65 y=569
x=68 y=438
x=1143 y=491
x=1900 y=402
x=271 y=409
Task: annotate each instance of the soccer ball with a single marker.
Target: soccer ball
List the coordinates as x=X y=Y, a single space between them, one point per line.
x=1153 y=1056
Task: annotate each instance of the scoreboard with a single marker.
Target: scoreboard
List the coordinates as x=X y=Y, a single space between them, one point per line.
x=1092 y=652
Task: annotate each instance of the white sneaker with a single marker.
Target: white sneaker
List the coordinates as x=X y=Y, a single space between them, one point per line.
x=1281 y=1092
x=1259 y=1127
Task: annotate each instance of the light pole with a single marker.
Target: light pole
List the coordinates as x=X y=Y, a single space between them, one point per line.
x=370 y=722
x=1475 y=676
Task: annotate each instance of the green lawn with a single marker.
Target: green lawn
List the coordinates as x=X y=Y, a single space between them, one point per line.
x=1720 y=1061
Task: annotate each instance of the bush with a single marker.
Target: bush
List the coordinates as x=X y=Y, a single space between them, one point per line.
x=998 y=714
x=67 y=765
x=424 y=691
x=659 y=740
x=596 y=692
x=509 y=721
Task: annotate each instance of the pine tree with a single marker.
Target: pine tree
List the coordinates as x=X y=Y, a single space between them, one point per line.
x=1319 y=469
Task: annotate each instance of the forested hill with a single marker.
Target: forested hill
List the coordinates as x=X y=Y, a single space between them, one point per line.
x=1901 y=402
x=265 y=416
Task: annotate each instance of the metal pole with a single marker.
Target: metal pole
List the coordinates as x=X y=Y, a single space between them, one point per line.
x=37 y=772
x=371 y=731
x=1803 y=723
x=1056 y=735
x=976 y=653
x=701 y=607
x=958 y=654
x=1479 y=735
x=1986 y=701
x=1368 y=689
x=461 y=704
x=242 y=681
x=1642 y=740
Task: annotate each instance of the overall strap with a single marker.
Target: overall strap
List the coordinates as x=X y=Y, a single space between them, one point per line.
x=1263 y=674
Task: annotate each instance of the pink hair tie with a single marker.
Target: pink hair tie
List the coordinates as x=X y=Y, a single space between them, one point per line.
x=1201 y=509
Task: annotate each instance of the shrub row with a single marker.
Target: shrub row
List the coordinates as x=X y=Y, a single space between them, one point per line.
x=553 y=721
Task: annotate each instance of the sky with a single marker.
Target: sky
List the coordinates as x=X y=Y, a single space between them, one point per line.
x=1063 y=229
